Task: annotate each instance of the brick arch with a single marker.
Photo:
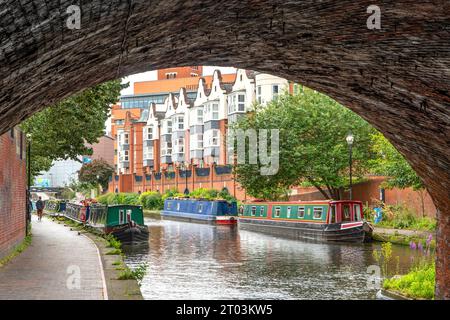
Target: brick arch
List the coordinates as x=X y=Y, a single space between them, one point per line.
x=397 y=78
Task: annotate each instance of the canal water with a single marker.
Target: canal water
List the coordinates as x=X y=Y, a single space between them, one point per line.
x=197 y=261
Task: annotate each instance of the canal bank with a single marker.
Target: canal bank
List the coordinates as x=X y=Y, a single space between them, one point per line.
x=403 y=236
x=112 y=263
x=64 y=264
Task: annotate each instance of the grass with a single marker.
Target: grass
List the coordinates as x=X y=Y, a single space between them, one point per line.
x=114 y=252
x=136 y=274
x=17 y=250
x=419 y=283
x=117 y=263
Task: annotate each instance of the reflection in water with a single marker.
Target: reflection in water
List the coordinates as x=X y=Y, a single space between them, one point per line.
x=195 y=261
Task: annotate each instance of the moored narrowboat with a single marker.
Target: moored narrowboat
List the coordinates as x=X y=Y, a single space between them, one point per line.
x=125 y=222
x=326 y=220
x=219 y=212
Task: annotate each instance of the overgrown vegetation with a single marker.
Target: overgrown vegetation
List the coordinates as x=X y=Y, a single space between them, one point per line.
x=401 y=217
x=419 y=283
x=153 y=200
x=134 y=274
x=17 y=250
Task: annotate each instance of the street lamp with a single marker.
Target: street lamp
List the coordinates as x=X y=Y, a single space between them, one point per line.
x=28 y=202
x=350 y=138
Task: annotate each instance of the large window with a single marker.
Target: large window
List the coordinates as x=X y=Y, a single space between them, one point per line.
x=214 y=139
x=166 y=149
x=148 y=133
x=125 y=156
x=258 y=94
x=148 y=152
x=275 y=89
x=125 y=138
x=179 y=145
x=215 y=111
x=241 y=102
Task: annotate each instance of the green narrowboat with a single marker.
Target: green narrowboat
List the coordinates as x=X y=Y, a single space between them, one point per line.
x=125 y=222
x=308 y=220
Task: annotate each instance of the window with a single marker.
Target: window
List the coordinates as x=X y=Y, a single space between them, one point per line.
x=148 y=152
x=125 y=138
x=125 y=155
x=169 y=204
x=333 y=214
x=179 y=145
x=277 y=212
x=241 y=210
x=215 y=111
x=194 y=74
x=214 y=141
x=346 y=212
x=258 y=94
x=275 y=89
x=253 y=211
x=129 y=215
x=317 y=213
x=200 y=207
x=178 y=206
x=121 y=216
x=357 y=211
x=301 y=212
x=171 y=75
x=149 y=134
x=200 y=116
x=241 y=102
x=261 y=212
x=199 y=141
x=288 y=215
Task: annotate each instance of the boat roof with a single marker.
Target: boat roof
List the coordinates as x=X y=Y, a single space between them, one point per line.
x=199 y=199
x=304 y=202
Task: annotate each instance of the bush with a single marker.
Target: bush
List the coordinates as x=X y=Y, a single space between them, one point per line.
x=171 y=193
x=119 y=198
x=418 y=283
x=400 y=217
x=151 y=200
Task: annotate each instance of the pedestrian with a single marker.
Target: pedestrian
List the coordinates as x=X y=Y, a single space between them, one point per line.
x=40 y=208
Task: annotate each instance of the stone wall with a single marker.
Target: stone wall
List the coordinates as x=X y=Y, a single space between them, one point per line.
x=13 y=183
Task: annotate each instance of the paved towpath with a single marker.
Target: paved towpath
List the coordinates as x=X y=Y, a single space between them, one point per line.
x=59 y=264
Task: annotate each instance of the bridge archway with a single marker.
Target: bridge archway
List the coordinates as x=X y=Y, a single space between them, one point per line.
x=396 y=77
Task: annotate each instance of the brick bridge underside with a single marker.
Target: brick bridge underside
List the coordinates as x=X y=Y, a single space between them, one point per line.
x=397 y=78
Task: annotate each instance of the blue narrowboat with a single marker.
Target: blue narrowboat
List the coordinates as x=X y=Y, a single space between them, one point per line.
x=201 y=210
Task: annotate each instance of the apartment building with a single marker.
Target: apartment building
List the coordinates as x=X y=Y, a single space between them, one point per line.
x=184 y=137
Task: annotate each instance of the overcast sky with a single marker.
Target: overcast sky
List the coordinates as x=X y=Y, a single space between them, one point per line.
x=152 y=75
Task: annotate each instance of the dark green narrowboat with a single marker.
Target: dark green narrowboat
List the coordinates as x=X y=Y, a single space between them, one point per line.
x=326 y=220
x=125 y=222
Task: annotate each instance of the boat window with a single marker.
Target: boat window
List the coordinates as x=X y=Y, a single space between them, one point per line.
x=241 y=210
x=346 y=212
x=333 y=214
x=169 y=204
x=289 y=212
x=200 y=207
x=357 y=210
x=253 y=211
x=261 y=211
x=178 y=206
x=317 y=213
x=277 y=212
x=301 y=212
x=129 y=215
x=121 y=216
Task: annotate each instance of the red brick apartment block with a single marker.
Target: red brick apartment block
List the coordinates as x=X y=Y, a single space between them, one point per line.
x=13 y=183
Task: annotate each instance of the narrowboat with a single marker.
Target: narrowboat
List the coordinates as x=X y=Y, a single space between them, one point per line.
x=326 y=220
x=125 y=222
x=219 y=212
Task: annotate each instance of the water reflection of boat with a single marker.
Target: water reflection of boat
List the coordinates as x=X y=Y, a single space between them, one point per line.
x=331 y=221
x=202 y=211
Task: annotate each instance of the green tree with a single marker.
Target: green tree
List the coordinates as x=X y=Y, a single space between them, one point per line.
x=96 y=172
x=312 y=145
x=62 y=131
x=391 y=163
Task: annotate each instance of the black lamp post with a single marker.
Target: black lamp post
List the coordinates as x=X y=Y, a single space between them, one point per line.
x=185 y=167
x=28 y=202
x=350 y=140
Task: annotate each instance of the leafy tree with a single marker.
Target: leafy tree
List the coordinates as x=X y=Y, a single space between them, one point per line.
x=96 y=172
x=312 y=145
x=391 y=163
x=62 y=131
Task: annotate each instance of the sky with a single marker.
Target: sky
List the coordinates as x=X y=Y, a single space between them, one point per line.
x=152 y=75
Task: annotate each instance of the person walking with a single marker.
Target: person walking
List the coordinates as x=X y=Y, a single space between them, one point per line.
x=40 y=208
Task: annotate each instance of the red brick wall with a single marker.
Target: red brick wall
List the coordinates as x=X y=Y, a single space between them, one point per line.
x=13 y=183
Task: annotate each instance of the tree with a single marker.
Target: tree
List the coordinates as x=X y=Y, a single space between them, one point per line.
x=96 y=172
x=312 y=146
x=389 y=162
x=62 y=131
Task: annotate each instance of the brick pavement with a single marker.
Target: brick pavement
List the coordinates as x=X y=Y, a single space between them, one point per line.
x=53 y=259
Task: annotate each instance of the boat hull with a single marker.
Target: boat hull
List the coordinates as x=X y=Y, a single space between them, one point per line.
x=199 y=218
x=338 y=232
x=129 y=235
